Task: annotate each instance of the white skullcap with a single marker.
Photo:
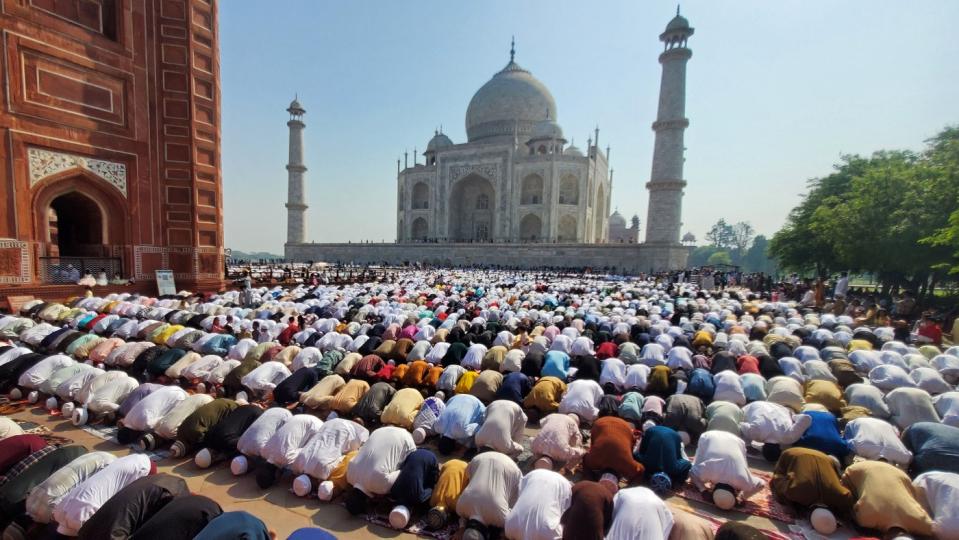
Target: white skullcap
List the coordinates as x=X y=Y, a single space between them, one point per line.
x=302 y=485
x=648 y=424
x=203 y=458
x=16 y=394
x=823 y=521
x=80 y=416
x=399 y=517
x=543 y=463
x=201 y=388
x=239 y=465
x=419 y=435
x=325 y=491
x=67 y=409
x=242 y=398
x=178 y=449
x=610 y=481
x=51 y=403
x=33 y=397
x=724 y=499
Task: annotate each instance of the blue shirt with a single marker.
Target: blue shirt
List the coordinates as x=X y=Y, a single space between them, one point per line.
x=460 y=419
x=555 y=365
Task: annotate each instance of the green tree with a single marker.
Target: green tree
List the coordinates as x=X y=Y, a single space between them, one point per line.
x=757 y=257
x=721 y=235
x=719 y=257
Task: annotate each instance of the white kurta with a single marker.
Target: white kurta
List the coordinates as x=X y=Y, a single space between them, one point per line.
x=492 y=489
x=202 y=368
x=768 y=422
x=729 y=388
x=582 y=397
x=45 y=497
x=33 y=377
x=285 y=445
x=637 y=376
x=721 y=459
x=543 y=497
x=559 y=438
x=67 y=390
x=218 y=374
x=105 y=393
x=947 y=405
x=503 y=428
x=265 y=377
x=325 y=450
x=81 y=503
x=377 y=465
x=145 y=415
x=938 y=491
x=614 y=372
x=872 y=438
x=253 y=440
x=639 y=514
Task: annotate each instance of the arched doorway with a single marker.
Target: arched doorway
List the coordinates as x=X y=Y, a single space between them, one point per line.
x=420 y=229
x=472 y=210
x=531 y=228
x=76 y=226
x=567 y=229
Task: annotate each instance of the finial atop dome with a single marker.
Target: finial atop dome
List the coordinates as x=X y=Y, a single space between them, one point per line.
x=677 y=10
x=512 y=48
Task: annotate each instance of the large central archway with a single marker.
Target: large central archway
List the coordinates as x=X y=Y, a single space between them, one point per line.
x=472 y=210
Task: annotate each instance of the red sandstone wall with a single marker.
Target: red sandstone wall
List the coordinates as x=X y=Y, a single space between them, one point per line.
x=118 y=100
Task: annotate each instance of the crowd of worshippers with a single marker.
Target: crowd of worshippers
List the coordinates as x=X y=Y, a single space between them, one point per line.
x=637 y=389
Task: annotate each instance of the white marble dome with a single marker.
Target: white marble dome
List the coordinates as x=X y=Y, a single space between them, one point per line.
x=617 y=219
x=512 y=99
x=546 y=129
x=438 y=141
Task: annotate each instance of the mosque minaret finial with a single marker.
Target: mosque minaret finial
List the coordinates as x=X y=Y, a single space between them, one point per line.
x=512 y=48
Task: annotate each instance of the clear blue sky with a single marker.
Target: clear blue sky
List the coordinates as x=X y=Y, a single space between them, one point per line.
x=776 y=92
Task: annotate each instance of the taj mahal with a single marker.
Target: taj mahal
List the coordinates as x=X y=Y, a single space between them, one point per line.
x=517 y=190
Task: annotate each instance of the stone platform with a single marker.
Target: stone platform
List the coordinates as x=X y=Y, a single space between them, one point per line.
x=621 y=258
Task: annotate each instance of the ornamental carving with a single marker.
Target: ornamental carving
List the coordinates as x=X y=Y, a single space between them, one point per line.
x=44 y=163
x=488 y=170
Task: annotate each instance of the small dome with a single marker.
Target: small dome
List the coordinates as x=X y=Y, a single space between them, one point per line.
x=571 y=150
x=546 y=129
x=295 y=107
x=438 y=141
x=616 y=219
x=678 y=23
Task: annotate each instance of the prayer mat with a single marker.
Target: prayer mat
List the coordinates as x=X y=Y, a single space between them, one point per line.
x=109 y=433
x=804 y=530
x=8 y=406
x=379 y=513
x=44 y=433
x=716 y=522
x=762 y=504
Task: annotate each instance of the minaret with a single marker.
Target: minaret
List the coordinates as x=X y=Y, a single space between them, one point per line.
x=296 y=196
x=666 y=183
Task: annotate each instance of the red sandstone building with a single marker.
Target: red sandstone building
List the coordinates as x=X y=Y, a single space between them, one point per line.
x=109 y=142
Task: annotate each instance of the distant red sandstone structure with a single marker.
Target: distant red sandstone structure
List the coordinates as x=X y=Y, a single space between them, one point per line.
x=110 y=153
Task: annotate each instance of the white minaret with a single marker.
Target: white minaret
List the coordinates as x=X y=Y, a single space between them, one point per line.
x=296 y=197
x=666 y=183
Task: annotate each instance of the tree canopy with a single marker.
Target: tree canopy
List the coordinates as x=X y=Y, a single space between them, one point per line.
x=894 y=214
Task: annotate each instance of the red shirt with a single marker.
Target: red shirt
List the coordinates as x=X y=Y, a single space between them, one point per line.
x=747 y=364
x=931 y=331
x=287 y=334
x=13 y=449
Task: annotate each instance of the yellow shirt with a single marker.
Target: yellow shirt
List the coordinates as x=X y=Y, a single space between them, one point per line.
x=466 y=382
x=545 y=395
x=402 y=408
x=451 y=483
x=338 y=475
x=885 y=498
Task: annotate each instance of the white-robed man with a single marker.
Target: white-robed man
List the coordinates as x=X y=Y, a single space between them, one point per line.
x=253 y=440
x=282 y=449
x=875 y=439
x=80 y=504
x=582 y=398
x=543 y=497
x=773 y=425
x=720 y=464
x=503 y=428
x=323 y=452
x=639 y=514
x=147 y=413
x=377 y=465
x=490 y=493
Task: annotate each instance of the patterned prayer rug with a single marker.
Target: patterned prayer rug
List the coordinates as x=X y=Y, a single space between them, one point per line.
x=762 y=504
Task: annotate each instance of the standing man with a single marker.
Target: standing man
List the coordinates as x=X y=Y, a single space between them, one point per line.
x=842 y=286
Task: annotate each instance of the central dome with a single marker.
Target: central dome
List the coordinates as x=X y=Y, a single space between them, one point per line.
x=512 y=99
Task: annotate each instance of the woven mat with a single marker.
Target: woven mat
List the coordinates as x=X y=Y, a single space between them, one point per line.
x=44 y=433
x=716 y=522
x=109 y=433
x=8 y=406
x=762 y=504
x=379 y=515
